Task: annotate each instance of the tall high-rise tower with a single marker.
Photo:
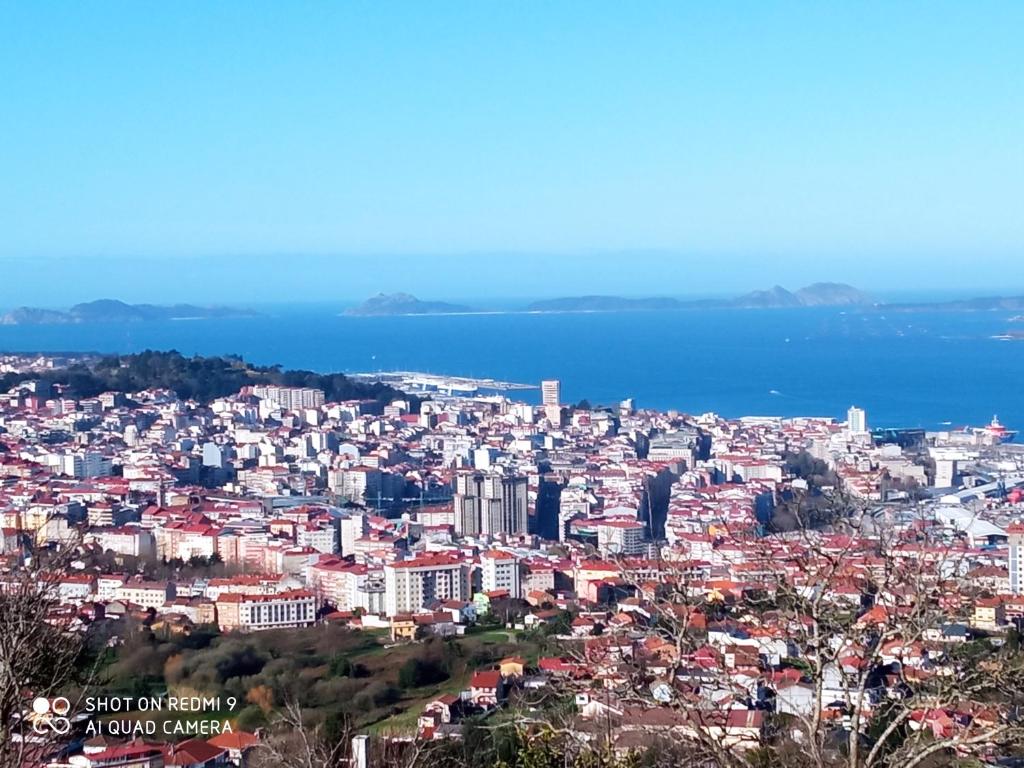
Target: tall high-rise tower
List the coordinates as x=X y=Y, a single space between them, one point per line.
x=490 y=504
x=856 y=420
x=551 y=392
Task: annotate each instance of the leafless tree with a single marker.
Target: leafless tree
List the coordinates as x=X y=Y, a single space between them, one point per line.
x=293 y=741
x=39 y=649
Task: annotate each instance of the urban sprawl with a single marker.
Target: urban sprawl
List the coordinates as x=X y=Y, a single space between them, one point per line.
x=682 y=566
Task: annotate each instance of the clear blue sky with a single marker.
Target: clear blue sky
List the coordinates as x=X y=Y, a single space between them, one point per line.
x=735 y=144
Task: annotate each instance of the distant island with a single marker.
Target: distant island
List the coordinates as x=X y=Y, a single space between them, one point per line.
x=777 y=297
x=403 y=304
x=816 y=295
x=114 y=311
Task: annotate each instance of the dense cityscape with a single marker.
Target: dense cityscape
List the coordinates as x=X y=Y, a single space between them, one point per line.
x=468 y=561
x=511 y=385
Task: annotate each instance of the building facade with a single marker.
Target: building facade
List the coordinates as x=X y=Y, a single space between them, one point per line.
x=252 y=613
x=412 y=585
x=500 y=571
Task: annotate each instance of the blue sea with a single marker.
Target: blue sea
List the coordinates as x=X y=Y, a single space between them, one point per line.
x=920 y=369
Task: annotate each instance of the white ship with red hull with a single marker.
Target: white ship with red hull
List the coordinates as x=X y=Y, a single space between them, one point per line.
x=994 y=433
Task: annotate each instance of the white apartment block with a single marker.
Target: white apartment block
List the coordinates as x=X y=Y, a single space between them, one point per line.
x=356 y=483
x=148 y=594
x=551 y=392
x=136 y=542
x=76 y=588
x=291 y=398
x=621 y=537
x=82 y=464
x=347 y=586
x=856 y=420
x=107 y=586
x=1016 y=564
x=500 y=570
x=252 y=613
x=321 y=538
x=412 y=585
x=178 y=542
x=353 y=528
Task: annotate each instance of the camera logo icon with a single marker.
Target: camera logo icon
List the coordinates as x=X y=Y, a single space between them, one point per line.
x=51 y=716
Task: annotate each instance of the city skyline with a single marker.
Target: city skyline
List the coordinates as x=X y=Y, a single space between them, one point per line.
x=526 y=384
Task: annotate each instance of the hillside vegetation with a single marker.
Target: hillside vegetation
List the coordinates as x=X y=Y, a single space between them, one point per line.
x=199 y=378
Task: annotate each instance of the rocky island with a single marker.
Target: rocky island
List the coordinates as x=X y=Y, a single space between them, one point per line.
x=114 y=311
x=816 y=295
x=823 y=294
x=403 y=304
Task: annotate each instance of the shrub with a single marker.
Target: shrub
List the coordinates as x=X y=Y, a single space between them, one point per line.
x=417 y=672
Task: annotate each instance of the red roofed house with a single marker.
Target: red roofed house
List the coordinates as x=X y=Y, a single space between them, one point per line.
x=196 y=753
x=133 y=755
x=487 y=688
x=238 y=744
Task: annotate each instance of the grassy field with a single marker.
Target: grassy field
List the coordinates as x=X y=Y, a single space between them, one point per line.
x=412 y=705
x=495 y=643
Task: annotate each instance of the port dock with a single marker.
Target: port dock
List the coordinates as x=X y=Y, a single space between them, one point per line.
x=415 y=381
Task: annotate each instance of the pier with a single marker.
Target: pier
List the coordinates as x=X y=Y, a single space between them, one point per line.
x=416 y=381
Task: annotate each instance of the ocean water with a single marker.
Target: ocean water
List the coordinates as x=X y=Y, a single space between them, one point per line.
x=920 y=369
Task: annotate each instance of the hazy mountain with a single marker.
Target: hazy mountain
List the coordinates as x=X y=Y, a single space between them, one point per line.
x=34 y=316
x=831 y=295
x=772 y=298
x=816 y=295
x=403 y=304
x=114 y=311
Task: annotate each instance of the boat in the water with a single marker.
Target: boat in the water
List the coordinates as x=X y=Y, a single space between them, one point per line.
x=994 y=432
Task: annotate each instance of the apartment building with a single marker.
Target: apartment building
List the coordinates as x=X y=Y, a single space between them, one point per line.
x=412 y=585
x=252 y=613
x=290 y=398
x=500 y=571
x=148 y=594
x=620 y=537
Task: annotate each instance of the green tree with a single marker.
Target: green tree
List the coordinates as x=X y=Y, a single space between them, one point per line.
x=417 y=672
x=341 y=666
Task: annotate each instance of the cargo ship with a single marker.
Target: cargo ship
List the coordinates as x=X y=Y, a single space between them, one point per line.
x=994 y=432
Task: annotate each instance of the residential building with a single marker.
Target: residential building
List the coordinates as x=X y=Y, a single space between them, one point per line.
x=251 y=613
x=290 y=398
x=412 y=585
x=500 y=571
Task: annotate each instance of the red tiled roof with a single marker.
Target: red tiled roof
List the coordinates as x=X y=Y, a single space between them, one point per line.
x=490 y=678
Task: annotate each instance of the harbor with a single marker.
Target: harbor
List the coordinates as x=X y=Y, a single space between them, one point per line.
x=415 y=381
